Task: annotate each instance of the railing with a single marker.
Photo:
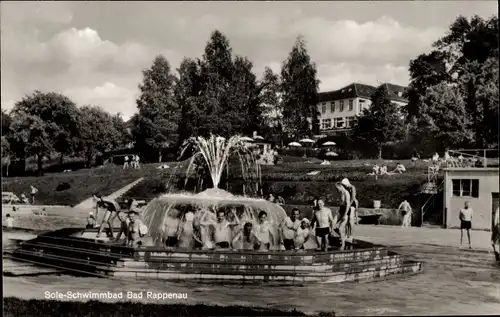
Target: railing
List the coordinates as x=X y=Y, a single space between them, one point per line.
x=465 y=159
x=423 y=210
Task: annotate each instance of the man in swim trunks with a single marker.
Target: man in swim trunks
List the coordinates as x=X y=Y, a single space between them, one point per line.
x=171 y=228
x=264 y=233
x=465 y=216
x=322 y=222
x=289 y=228
x=136 y=230
x=112 y=210
x=222 y=230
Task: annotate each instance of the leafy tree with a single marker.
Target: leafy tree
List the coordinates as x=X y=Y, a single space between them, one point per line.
x=102 y=132
x=54 y=117
x=299 y=88
x=156 y=122
x=444 y=117
x=6 y=122
x=381 y=124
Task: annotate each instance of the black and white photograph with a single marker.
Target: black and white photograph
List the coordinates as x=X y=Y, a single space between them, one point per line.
x=250 y=158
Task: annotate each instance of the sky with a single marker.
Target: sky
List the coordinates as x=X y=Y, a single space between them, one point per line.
x=94 y=52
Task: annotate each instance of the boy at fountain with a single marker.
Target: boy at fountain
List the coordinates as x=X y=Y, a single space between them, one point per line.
x=222 y=228
x=246 y=238
x=186 y=233
x=289 y=228
x=171 y=228
x=124 y=225
x=264 y=232
x=136 y=230
x=302 y=234
x=322 y=222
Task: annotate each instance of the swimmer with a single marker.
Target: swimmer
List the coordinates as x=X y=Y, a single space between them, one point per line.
x=186 y=233
x=289 y=228
x=136 y=230
x=344 y=213
x=112 y=210
x=264 y=233
x=222 y=230
x=322 y=223
x=171 y=228
x=124 y=226
x=302 y=234
x=246 y=238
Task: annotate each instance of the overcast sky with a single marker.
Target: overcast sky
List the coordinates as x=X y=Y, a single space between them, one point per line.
x=94 y=51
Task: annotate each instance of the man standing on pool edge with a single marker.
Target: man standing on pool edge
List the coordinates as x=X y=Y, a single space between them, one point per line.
x=465 y=216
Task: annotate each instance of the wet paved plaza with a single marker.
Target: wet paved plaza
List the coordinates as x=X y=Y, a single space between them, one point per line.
x=454 y=282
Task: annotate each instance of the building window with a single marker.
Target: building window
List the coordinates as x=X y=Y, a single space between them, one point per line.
x=338 y=122
x=349 y=122
x=351 y=105
x=332 y=106
x=326 y=124
x=341 y=105
x=465 y=188
x=323 y=108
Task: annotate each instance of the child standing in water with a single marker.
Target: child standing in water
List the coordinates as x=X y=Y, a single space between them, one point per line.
x=246 y=239
x=302 y=234
x=264 y=232
x=186 y=232
x=171 y=228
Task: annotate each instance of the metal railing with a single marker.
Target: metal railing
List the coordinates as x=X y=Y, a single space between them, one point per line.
x=461 y=159
x=423 y=209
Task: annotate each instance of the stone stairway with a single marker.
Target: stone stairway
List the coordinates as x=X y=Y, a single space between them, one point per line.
x=67 y=249
x=89 y=202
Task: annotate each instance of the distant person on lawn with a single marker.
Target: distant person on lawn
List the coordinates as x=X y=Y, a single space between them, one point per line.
x=125 y=162
x=9 y=222
x=405 y=209
x=465 y=216
x=33 y=193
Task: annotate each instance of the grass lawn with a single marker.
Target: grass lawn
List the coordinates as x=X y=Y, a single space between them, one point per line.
x=288 y=179
x=14 y=307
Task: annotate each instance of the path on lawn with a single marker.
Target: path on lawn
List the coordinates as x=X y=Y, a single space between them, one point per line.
x=89 y=202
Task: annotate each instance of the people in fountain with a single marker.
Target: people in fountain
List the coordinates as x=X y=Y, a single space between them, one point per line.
x=302 y=234
x=112 y=208
x=271 y=198
x=289 y=228
x=322 y=223
x=405 y=209
x=171 y=228
x=136 y=230
x=246 y=239
x=222 y=228
x=124 y=225
x=264 y=231
x=186 y=233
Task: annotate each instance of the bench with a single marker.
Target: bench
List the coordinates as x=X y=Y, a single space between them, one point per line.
x=370 y=219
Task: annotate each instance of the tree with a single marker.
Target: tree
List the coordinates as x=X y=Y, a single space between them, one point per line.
x=102 y=132
x=32 y=135
x=299 y=88
x=444 y=117
x=58 y=110
x=158 y=117
x=381 y=124
x=6 y=122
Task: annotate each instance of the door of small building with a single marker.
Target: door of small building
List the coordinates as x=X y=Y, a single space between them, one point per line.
x=494 y=206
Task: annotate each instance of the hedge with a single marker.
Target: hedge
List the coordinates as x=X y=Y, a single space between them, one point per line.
x=14 y=307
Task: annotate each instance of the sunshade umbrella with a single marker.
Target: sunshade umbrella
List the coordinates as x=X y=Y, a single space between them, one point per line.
x=246 y=139
x=329 y=143
x=306 y=141
x=294 y=144
x=331 y=154
x=258 y=137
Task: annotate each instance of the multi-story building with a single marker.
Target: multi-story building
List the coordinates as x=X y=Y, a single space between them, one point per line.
x=339 y=108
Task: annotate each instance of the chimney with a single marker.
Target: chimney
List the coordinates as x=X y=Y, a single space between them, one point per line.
x=254 y=134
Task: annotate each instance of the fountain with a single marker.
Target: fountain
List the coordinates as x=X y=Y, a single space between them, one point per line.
x=78 y=251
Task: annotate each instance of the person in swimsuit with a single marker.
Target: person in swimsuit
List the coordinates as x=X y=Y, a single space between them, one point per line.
x=246 y=239
x=465 y=216
x=171 y=227
x=302 y=234
x=222 y=230
x=344 y=214
x=289 y=228
x=91 y=221
x=322 y=223
x=124 y=226
x=112 y=210
x=264 y=232
x=136 y=230
x=186 y=233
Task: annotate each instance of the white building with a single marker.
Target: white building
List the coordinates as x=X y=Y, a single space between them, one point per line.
x=338 y=109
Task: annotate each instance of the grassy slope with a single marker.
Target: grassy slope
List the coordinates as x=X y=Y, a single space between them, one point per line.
x=14 y=307
x=83 y=184
x=292 y=182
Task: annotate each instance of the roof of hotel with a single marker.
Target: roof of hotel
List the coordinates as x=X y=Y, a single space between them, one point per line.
x=355 y=90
